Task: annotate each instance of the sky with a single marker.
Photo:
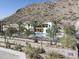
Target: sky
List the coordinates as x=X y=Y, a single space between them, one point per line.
x=8 y=7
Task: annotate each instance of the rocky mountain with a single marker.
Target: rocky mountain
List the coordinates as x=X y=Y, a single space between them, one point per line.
x=67 y=10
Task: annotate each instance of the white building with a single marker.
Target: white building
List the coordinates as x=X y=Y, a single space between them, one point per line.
x=41 y=30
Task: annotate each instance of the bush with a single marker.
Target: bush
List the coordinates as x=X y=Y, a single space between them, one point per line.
x=38 y=57
x=41 y=50
x=18 y=47
x=31 y=54
x=54 y=55
x=30 y=51
x=34 y=52
x=35 y=39
x=68 y=41
x=8 y=45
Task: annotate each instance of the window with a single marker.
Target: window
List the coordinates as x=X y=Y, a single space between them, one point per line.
x=39 y=30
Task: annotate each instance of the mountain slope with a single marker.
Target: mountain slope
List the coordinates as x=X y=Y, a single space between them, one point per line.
x=65 y=9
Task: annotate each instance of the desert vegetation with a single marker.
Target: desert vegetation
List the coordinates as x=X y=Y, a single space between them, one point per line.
x=63 y=17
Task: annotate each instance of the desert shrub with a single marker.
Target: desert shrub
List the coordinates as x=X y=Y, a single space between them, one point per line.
x=38 y=57
x=36 y=39
x=53 y=55
x=68 y=41
x=8 y=45
x=33 y=52
x=18 y=47
x=41 y=50
x=30 y=51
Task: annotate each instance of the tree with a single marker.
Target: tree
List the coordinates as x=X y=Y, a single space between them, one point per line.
x=28 y=32
x=52 y=32
x=34 y=24
x=5 y=37
x=20 y=26
x=22 y=29
x=11 y=30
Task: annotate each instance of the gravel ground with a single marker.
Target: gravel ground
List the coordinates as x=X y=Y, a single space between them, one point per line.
x=65 y=52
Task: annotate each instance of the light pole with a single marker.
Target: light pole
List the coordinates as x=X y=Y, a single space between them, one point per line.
x=77 y=41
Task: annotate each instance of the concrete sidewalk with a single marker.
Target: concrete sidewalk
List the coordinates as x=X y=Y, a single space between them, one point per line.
x=11 y=54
